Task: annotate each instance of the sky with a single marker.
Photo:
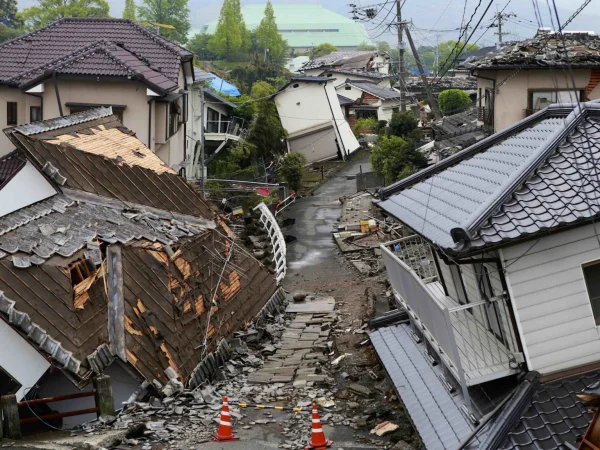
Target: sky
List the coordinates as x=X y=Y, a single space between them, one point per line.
x=427 y=16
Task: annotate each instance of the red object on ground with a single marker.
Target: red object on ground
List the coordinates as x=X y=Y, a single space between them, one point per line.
x=264 y=192
x=224 y=432
x=318 y=440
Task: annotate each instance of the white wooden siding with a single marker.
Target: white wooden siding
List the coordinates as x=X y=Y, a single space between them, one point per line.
x=551 y=300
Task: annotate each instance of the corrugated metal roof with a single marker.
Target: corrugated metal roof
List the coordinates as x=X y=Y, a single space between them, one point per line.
x=531 y=177
x=336 y=59
x=431 y=407
x=55 y=123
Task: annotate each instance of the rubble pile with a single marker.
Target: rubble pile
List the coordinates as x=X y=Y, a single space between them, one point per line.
x=287 y=360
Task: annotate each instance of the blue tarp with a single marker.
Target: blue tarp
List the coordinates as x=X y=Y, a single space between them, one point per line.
x=220 y=85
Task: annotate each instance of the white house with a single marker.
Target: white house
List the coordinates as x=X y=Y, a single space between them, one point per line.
x=221 y=126
x=311 y=114
x=501 y=274
x=370 y=99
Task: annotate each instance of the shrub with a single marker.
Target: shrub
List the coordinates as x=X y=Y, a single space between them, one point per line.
x=364 y=126
x=394 y=158
x=292 y=169
x=453 y=101
x=402 y=123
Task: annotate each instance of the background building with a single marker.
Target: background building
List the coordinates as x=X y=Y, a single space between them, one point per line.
x=305 y=26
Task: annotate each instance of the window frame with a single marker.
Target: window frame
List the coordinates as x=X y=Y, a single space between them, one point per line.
x=31 y=109
x=9 y=119
x=530 y=93
x=594 y=262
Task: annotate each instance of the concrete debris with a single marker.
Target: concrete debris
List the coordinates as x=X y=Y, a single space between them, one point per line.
x=280 y=360
x=384 y=428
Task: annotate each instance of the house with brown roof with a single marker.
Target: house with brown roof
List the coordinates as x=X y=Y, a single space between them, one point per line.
x=524 y=77
x=75 y=64
x=110 y=262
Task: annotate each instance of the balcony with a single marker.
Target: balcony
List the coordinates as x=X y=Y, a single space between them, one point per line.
x=486 y=115
x=222 y=130
x=475 y=341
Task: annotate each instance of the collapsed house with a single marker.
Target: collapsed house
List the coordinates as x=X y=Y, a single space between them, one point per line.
x=108 y=258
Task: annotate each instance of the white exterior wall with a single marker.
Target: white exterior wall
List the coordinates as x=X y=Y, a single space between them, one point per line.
x=27 y=187
x=24 y=102
x=551 y=300
x=310 y=106
x=20 y=360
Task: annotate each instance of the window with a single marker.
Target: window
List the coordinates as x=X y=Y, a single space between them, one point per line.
x=348 y=88
x=11 y=113
x=366 y=114
x=395 y=110
x=212 y=121
x=35 y=113
x=485 y=283
x=591 y=273
x=540 y=99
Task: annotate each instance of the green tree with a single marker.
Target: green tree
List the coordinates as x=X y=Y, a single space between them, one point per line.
x=323 y=49
x=394 y=158
x=453 y=101
x=50 y=10
x=266 y=133
x=365 y=46
x=129 y=10
x=292 y=170
x=267 y=35
x=173 y=13
x=6 y=33
x=231 y=37
x=383 y=46
x=198 y=44
x=403 y=123
x=9 y=16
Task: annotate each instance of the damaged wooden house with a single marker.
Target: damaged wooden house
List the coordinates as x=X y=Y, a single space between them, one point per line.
x=111 y=263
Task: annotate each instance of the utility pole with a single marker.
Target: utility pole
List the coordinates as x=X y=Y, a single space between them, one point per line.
x=202 y=168
x=430 y=97
x=401 y=74
x=500 y=17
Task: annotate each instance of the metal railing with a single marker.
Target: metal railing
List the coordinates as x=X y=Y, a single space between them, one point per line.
x=486 y=115
x=475 y=340
x=233 y=127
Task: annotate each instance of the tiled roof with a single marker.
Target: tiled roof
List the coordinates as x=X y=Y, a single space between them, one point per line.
x=382 y=92
x=545 y=50
x=92 y=152
x=102 y=58
x=432 y=408
x=345 y=100
x=340 y=59
x=10 y=165
x=360 y=73
x=555 y=416
x=531 y=177
x=65 y=36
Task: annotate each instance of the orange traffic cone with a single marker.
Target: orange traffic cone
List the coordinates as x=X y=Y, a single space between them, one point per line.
x=318 y=440
x=224 y=432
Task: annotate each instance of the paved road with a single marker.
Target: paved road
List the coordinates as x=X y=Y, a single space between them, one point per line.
x=313 y=261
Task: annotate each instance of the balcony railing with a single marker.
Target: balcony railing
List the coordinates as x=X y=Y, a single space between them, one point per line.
x=475 y=341
x=486 y=115
x=232 y=127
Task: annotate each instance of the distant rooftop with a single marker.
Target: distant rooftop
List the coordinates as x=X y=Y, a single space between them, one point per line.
x=305 y=25
x=544 y=50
